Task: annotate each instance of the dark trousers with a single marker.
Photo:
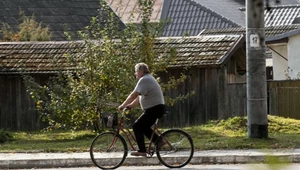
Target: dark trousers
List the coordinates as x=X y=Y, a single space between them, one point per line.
x=142 y=126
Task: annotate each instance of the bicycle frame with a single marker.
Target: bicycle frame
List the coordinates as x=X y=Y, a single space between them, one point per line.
x=131 y=138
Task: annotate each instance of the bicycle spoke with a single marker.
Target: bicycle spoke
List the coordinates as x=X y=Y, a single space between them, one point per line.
x=178 y=145
x=106 y=146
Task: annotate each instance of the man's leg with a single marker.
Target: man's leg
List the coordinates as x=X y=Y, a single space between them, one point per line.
x=154 y=113
x=143 y=126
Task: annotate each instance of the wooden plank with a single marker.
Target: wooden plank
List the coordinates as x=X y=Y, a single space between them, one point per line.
x=211 y=95
x=3 y=100
x=18 y=97
x=237 y=99
x=284 y=96
x=223 y=102
x=273 y=105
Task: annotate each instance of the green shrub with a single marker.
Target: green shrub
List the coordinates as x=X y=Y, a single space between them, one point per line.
x=5 y=136
x=235 y=123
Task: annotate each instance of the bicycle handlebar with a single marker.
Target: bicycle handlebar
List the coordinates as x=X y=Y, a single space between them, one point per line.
x=124 y=110
x=127 y=108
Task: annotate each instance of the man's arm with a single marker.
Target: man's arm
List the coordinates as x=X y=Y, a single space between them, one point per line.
x=131 y=101
x=134 y=103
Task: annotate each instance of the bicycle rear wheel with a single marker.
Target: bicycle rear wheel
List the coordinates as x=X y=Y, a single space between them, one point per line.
x=108 y=150
x=175 y=148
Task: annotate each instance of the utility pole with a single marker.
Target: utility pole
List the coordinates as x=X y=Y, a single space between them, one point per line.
x=256 y=70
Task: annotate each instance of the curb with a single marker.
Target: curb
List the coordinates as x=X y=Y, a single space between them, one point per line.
x=54 y=160
x=42 y=163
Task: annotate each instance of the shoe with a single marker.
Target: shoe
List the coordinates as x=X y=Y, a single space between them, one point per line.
x=138 y=154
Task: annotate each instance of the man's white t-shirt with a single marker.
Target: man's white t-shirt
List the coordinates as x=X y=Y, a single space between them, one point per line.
x=150 y=92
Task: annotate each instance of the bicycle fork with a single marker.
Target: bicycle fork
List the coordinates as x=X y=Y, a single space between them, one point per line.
x=115 y=139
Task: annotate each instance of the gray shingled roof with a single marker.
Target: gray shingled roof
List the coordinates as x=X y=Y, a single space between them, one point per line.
x=281 y=15
x=192 y=16
x=231 y=8
x=47 y=57
x=59 y=15
x=270 y=31
x=227 y=8
x=189 y=17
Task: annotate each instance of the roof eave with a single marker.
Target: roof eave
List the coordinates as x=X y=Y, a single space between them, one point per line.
x=239 y=42
x=277 y=41
x=282 y=37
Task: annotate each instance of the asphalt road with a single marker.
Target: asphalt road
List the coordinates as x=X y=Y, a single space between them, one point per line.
x=196 y=167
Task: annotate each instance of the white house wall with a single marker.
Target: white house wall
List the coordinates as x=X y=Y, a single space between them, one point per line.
x=294 y=56
x=280 y=64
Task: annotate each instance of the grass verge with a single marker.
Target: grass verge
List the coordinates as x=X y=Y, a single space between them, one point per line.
x=224 y=134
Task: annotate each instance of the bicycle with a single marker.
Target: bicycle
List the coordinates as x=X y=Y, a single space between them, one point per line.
x=174 y=143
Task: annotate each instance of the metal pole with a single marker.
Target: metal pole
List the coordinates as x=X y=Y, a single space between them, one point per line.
x=256 y=70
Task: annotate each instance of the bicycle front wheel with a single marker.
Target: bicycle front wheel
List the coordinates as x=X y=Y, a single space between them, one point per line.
x=108 y=150
x=175 y=149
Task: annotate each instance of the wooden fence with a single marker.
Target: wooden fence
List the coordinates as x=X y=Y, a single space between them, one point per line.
x=17 y=108
x=284 y=97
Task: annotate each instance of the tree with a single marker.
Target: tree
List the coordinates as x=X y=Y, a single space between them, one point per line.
x=28 y=30
x=105 y=75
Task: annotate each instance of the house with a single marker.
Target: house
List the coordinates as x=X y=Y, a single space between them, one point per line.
x=284 y=47
x=230 y=9
x=60 y=16
x=281 y=15
x=279 y=21
x=234 y=10
x=209 y=61
x=285 y=53
x=276 y=60
x=191 y=17
x=188 y=17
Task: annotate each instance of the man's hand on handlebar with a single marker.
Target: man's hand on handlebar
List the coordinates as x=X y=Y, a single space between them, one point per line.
x=123 y=108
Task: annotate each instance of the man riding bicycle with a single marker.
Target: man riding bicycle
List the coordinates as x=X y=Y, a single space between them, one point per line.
x=149 y=95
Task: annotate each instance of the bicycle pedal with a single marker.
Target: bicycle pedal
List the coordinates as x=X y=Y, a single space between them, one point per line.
x=149 y=155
